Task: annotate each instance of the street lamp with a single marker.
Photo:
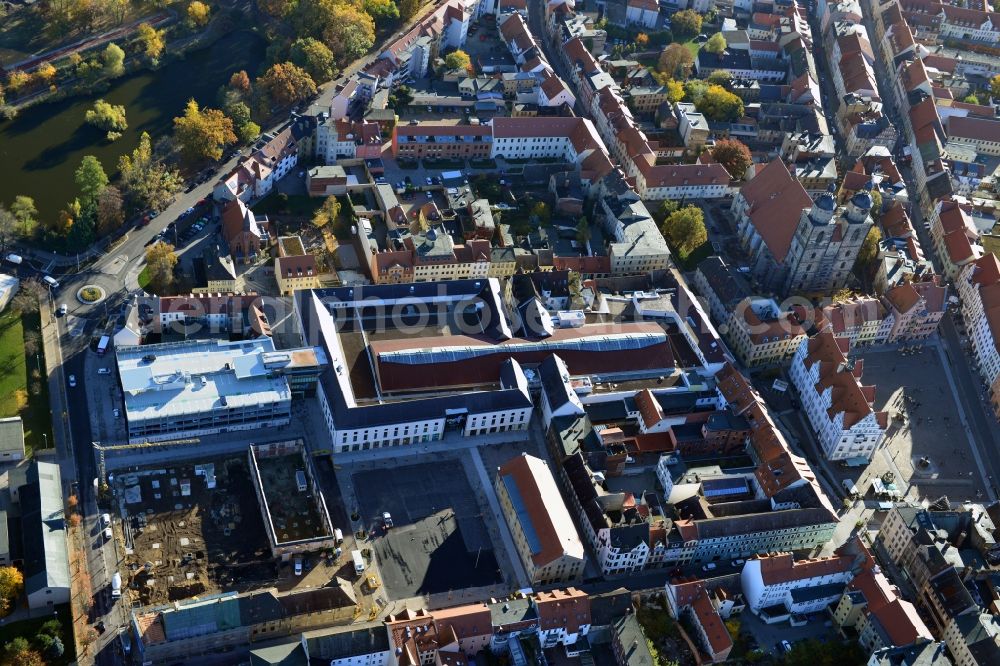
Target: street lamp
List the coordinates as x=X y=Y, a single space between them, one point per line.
x=45 y=438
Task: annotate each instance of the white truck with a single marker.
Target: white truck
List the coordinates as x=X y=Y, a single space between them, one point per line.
x=359 y=562
x=116 y=586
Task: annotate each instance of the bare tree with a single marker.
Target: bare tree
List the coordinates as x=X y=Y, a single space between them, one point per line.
x=29 y=297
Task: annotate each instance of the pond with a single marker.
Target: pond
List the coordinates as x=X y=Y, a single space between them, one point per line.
x=43 y=146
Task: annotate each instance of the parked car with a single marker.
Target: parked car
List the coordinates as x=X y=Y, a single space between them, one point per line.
x=117 y=412
x=104 y=371
x=387 y=519
x=107 y=534
x=711 y=566
x=72 y=381
x=62 y=310
x=298 y=566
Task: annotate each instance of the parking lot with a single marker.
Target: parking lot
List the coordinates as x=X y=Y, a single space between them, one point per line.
x=439 y=541
x=769 y=636
x=929 y=452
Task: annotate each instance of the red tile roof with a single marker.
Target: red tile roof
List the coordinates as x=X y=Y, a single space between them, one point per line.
x=783 y=568
x=775 y=204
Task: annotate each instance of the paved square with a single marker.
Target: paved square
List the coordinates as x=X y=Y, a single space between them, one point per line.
x=439 y=542
x=916 y=386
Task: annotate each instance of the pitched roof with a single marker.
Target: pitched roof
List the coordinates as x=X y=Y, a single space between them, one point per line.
x=544 y=520
x=775 y=203
x=783 y=568
x=847 y=395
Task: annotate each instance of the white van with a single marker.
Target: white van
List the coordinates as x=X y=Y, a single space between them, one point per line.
x=105 y=520
x=359 y=562
x=338 y=536
x=14 y=259
x=116 y=586
x=51 y=281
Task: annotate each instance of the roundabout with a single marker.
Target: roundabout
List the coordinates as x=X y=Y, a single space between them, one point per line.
x=90 y=294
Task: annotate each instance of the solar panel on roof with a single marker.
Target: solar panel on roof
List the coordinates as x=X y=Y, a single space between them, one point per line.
x=724 y=487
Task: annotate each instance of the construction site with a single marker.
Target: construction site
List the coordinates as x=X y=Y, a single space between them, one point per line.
x=291 y=503
x=192 y=529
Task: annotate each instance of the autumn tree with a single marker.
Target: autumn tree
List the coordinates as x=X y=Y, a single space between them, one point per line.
x=382 y=11
x=110 y=210
x=408 y=8
x=18 y=652
x=277 y=8
x=685 y=230
x=240 y=81
x=583 y=230
x=113 y=60
x=642 y=40
x=675 y=90
x=734 y=155
x=694 y=90
x=350 y=33
x=45 y=74
x=107 y=116
x=29 y=296
x=719 y=104
x=675 y=60
x=91 y=180
x=995 y=86
x=145 y=180
x=285 y=84
x=160 y=263
x=152 y=42
x=203 y=133
x=328 y=213
x=716 y=43
x=458 y=60
x=17 y=79
x=541 y=213
x=314 y=57
x=868 y=252
x=971 y=99
x=685 y=23
x=25 y=213
x=197 y=13
x=11 y=586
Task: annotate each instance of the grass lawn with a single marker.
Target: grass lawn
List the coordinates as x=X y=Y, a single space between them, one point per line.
x=690 y=262
x=693 y=47
x=14 y=372
x=144 y=278
x=28 y=628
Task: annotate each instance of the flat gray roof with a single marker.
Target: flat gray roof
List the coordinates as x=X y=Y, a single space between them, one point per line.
x=12 y=435
x=194 y=376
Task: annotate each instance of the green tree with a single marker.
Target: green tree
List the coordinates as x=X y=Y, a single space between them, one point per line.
x=203 y=133
x=583 y=230
x=666 y=209
x=91 y=180
x=719 y=104
x=409 y=8
x=327 y=214
x=734 y=155
x=400 y=98
x=458 y=60
x=113 y=60
x=685 y=230
x=716 y=43
x=152 y=42
x=686 y=23
x=971 y=99
x=675 y=61
x=8 y=227
x=145 y=180
x=107 y=116
x=160 y=263
x=246 y=129
x=876 y=205
x=314 y=57
x=25 y=213
x=720 y=77
x=694 y=90
x=285 y=84
x=383 y=11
